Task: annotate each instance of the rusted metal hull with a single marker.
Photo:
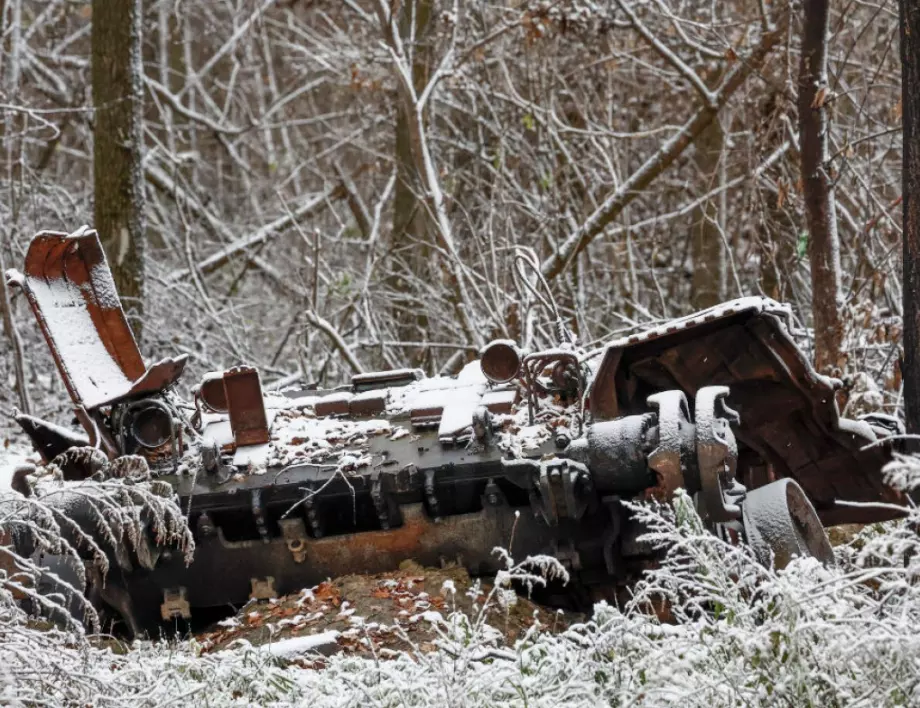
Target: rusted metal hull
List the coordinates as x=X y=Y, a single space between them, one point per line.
x=72 y=294
x=223 y=572
x=789 y=414
x=397 y=467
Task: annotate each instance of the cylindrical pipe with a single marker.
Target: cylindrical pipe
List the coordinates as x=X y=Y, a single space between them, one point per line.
x=616 y=452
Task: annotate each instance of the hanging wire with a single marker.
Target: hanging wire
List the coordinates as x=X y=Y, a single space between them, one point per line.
x=526 y=259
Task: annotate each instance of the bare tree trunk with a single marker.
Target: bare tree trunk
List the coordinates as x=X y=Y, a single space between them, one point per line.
x=910 y=103
x=820 y=205
x=410 y=238
x=12 y=333
x=708 y=284
x=13 y=149
x=118 y=146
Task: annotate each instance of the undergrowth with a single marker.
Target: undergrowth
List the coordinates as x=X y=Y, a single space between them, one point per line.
x=740 y=635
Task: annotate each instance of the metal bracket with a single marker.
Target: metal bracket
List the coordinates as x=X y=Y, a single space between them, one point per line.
x=557 y=487
x=673 y=414
x=381 y=506
x=612 y=557
x=717 y=453
x=262 y=588
x=430 y=496
x=294 y=533
x=175 y=604
x=258 y=514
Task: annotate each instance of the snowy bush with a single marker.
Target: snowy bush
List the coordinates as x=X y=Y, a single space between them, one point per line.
x=86 y=524
x=741 y=634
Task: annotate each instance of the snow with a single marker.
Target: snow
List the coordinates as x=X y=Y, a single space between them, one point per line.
x=318 y=430
x=737 y=634
x=744 y=304
x=301 y=437
x=219 y=432
x=94 y=373
x=12 y=454
x=251 y=455
x=302 y=645
x=458 y=410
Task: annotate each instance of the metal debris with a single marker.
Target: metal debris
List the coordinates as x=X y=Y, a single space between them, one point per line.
x=535 y=451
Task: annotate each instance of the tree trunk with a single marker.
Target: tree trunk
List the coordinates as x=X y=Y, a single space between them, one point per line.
x=410 y=237
x=13 y=150
x=820 y=207
x=910 y=103
x=118 y=178
x=708 y=284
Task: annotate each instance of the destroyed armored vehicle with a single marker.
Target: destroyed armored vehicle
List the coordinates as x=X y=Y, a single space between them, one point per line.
x=531 y=451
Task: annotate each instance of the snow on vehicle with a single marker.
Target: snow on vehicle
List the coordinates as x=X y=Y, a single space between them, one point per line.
x=533 y=451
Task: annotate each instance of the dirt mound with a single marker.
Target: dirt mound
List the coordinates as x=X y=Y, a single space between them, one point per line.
x=376 y=615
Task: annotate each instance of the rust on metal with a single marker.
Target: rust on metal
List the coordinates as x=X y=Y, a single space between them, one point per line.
x=500 y=401
x=71 y=292
x=212 y=392
x=246 y=406
x=665 y=460
x=333 y=404
x=174 y=605
x=789 y=413
x=368 y=403
x=426 y=415
x=500 y=361
x=395 y=466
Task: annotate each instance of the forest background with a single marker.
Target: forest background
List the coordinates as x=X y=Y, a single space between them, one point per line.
x=318 y=188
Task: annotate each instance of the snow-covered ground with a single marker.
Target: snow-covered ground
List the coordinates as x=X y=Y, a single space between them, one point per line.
x=727 y=632
x=13 y=451
x=709 y=628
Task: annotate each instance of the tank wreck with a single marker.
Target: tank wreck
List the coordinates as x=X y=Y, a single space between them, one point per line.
x=539 y=452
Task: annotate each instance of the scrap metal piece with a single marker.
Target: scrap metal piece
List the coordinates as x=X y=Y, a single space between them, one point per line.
x=780 y=523
x=72 y=293
x=22 y=480
x=790 y=419
x=367 y=403
x=378 y=497
x=482 y=429
x=559 y=489
x=48 y=439
x=333 y=404
x=567 y=379
x=295 y=535
x=500 y=361
x=258 y=515
x=238 y=392
x=500 y=401
x=431 y=496
x=717 y=452
x=617 y=452
x=175 y=604
x=246 y=406
x=262 y=588
x=424 y=416
x=385 y=379
x=666 y=459
x=313 y=514
x=212 y=391
x=458 y=412
x=350 y=496
x=149 y=428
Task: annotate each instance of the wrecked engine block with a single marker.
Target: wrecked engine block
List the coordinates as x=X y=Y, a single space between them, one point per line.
x=532 y=451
